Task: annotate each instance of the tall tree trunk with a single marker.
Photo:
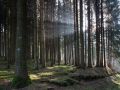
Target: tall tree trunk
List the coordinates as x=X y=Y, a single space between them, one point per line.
x=76 y=33
x=21 y=60
x=36 y=27
x=81 y=35
x=89 y=36
x=97 y=33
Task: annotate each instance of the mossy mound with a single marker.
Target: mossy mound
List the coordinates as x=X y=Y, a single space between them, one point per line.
x=19 y=82
x=91 y=73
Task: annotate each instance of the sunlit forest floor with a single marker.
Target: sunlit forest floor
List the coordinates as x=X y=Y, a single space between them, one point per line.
x=65 y=78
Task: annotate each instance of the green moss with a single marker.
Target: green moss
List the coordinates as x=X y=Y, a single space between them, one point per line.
x=64 y=81
x=63 y=68
x=19 y=82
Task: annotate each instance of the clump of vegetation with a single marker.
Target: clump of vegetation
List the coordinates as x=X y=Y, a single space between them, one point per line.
x=62 y=69
x=63 y=81
x=19 y=82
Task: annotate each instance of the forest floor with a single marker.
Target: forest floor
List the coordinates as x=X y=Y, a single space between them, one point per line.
x=65 y=78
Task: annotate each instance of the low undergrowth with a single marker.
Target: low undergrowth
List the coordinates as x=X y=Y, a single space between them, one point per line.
x=64 y=76
x=63 y=81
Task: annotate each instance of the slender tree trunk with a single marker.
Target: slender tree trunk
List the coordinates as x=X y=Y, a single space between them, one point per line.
x=89 y=36
x=97 y=33
x=81 y=35
x=76 y=33
x=36 y=27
